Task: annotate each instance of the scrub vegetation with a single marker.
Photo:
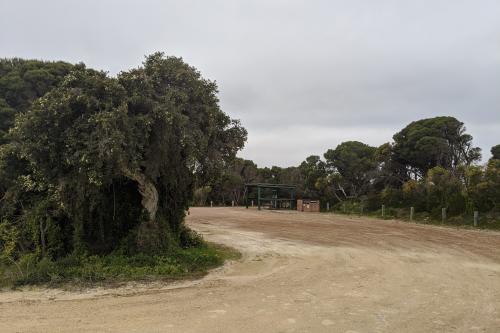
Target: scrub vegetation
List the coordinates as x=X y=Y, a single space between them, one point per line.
x=431 y=164
x=97 y=172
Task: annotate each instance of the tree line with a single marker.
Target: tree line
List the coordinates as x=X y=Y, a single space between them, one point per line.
x=430 y=164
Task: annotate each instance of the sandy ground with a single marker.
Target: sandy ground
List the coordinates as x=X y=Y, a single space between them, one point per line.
x=300 y=272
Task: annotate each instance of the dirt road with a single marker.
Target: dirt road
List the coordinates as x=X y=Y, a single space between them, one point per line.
x=300 y=272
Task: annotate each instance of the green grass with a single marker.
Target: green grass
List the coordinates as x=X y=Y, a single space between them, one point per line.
x=116 y=268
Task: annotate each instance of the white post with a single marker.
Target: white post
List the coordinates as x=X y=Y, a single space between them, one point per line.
x=252 y=203
x=383 y=210
x=327 y=206
x=412 y=211
x=476 y=217
x=211 y=203
x=443 y=215
x=232 y=203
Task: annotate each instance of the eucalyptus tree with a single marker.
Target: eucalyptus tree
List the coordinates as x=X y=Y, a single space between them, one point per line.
x=427 y=143
x=352 y=167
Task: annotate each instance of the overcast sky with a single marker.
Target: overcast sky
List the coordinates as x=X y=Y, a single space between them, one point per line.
x=302 y=76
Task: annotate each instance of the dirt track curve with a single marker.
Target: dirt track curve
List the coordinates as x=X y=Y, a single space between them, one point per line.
x=300 y=272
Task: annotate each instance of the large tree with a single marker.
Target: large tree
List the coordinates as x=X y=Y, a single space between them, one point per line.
x=351 y=165
x=117 y=158
x=439 y=141
x=312 y=170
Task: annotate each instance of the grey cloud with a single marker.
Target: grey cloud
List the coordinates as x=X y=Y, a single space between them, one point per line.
x=302 y=74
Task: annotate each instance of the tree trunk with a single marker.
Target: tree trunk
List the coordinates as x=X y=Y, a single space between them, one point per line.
x=148 y=192
x=149 y=239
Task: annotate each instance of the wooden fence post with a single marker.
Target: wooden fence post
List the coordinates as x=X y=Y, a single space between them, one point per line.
x=258 y=197
x=383 y=210
x=443 y=215
x=476 y=217
x=412 y=211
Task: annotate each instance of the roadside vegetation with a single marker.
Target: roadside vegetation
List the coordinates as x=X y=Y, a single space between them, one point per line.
x=88 y=270
x=430 y=165
x=489 y=220
x=97 y=172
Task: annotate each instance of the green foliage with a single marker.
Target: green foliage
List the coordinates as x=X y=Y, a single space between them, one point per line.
x=116 y=267
x=22 y=82
x=349 y=207
x=430 y=166
x=485 y=191
x=391 y=196
x=470 y=189
x=355 y=163
x=495 y=152
x=390 y=172
x=312 y=169
x=9 y=238
x=439 y=141
x=95 y=164
x=444 y=190
x=190 y=238
x=201 y=194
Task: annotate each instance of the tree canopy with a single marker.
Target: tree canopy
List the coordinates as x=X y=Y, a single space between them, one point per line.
x=22 y=82
x=354 y=162
x=439 y=141
x=112 y=162
x=430 y=165
x=495 y=152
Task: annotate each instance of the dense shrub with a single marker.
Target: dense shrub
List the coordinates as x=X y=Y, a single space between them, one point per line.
x=96 y=163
